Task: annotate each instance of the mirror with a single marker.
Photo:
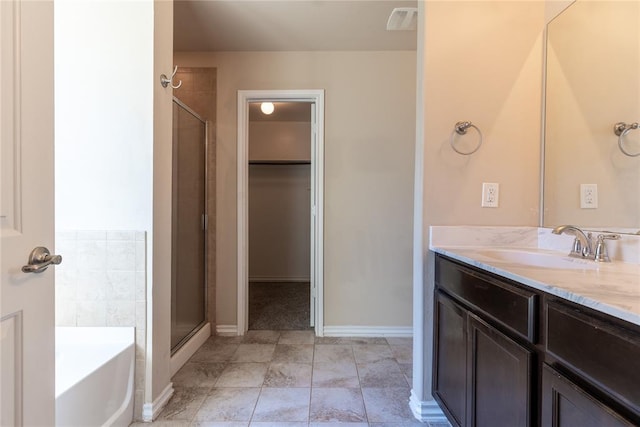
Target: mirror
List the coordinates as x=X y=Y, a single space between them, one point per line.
x=592 y=82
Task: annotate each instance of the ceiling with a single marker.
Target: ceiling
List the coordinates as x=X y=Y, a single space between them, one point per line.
x=288 y=25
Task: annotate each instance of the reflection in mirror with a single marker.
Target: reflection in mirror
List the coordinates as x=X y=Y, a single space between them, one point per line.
x=592 y=83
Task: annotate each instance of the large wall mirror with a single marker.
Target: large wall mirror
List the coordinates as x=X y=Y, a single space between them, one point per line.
x=593 y=82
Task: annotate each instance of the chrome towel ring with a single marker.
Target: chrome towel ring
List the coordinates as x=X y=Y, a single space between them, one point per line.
x=622 y=129
x=461 y=129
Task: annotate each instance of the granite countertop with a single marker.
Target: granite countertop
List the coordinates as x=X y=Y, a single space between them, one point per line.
x=611 y=288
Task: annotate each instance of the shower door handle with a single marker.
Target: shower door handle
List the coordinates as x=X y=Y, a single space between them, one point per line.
x=40 y=259
x=204 y=222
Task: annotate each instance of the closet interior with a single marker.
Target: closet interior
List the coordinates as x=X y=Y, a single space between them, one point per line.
x=279 y=215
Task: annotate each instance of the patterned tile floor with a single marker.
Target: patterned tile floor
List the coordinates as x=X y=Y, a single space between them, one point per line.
x=292 y=378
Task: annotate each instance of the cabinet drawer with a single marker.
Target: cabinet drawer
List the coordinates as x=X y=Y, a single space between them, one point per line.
x=512 y=307
x=606 y=354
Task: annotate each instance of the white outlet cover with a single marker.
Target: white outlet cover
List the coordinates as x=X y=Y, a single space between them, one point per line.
x=490 y=194
x=588 y=196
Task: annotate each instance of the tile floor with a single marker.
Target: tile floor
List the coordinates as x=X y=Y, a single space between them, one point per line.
x=292 y=378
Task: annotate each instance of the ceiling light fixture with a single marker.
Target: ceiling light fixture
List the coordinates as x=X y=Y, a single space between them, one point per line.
x=267 y=107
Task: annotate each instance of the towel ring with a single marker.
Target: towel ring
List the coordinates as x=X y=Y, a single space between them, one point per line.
x=622 y=129
x=461 y=129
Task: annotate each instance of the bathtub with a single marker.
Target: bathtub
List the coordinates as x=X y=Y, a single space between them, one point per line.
x=94 y=376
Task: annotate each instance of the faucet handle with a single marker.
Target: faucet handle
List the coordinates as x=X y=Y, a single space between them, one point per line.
x=601 y=254
x=580 y=249
x=576 y=248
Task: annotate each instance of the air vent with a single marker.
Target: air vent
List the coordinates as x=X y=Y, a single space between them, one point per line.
x=403 y=19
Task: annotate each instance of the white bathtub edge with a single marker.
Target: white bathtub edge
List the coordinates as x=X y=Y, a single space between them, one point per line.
x=189 y=348
x=152 y=410
x=86 y=359
x=124 y=415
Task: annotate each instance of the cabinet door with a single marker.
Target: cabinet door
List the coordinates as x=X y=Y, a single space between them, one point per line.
x=500 y=373
x=449 y=380
x=564 y=404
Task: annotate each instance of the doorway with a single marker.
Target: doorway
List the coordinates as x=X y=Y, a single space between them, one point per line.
x=292 y=166
x=279 y=215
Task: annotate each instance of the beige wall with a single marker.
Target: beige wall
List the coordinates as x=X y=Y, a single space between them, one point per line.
x=483 y=63
x=279 y=222
x=279 y=140
x=369 y=142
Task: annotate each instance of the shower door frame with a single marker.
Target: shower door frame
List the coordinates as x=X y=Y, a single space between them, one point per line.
x=316 y=97
x=205 y=226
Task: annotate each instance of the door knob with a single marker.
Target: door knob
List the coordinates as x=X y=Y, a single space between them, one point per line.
x=39 y=259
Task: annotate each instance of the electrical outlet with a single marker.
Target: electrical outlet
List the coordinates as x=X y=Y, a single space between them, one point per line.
x=490 y=194
x=588 y=196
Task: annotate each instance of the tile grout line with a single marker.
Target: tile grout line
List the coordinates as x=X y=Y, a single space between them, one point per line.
x=262 y=387
x=313 y=360
x=364 y=407
x=192 y=420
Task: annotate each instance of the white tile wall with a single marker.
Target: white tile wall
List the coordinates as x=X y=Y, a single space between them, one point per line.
x=102 y=282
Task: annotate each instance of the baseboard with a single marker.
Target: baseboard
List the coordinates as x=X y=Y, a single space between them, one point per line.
x=189 y=348
x=426 y=410
x=368 y=331
x=150 y=411
x=227 y=330
x=278 y=279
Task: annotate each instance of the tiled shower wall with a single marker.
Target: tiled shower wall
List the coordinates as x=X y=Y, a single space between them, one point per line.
x=102 y=282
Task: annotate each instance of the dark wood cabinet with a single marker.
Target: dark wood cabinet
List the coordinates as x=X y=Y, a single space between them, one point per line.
x=481 y=376
x=602 y=352
x=450 y=374
x=507 y=355
x=564 y=404
x=500 y=386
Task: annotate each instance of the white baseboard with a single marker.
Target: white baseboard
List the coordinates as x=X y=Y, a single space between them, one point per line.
x=279 y=279
x=150 y=411
x=426 y=410
x=368 y=331
x=189 y=348
x=227 y=330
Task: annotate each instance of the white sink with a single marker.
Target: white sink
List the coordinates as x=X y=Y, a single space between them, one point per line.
x=536 y=259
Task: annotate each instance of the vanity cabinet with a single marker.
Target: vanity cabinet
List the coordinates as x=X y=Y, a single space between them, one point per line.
x=450 y=374
x=499 y=389
x=508 y=355
x=565 y=404
x=482 y=376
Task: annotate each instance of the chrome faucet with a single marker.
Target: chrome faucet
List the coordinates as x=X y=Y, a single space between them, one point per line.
x=601 y=254
x=582 y=244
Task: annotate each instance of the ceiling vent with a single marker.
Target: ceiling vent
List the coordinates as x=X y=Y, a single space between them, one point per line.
x=403 y=19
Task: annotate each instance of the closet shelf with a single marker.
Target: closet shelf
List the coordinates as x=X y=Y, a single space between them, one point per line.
x=279 y=162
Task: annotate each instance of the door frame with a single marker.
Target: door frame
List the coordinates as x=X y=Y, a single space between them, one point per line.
x=317 y=170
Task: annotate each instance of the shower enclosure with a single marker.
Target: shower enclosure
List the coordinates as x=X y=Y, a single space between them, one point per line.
x=189 y=224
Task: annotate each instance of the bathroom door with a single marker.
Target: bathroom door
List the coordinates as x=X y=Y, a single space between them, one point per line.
x=26 y=213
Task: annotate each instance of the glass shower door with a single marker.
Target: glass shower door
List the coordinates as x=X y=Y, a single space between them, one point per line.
x=188 y=284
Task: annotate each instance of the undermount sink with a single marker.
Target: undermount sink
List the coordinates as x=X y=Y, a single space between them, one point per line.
x=537 y=259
